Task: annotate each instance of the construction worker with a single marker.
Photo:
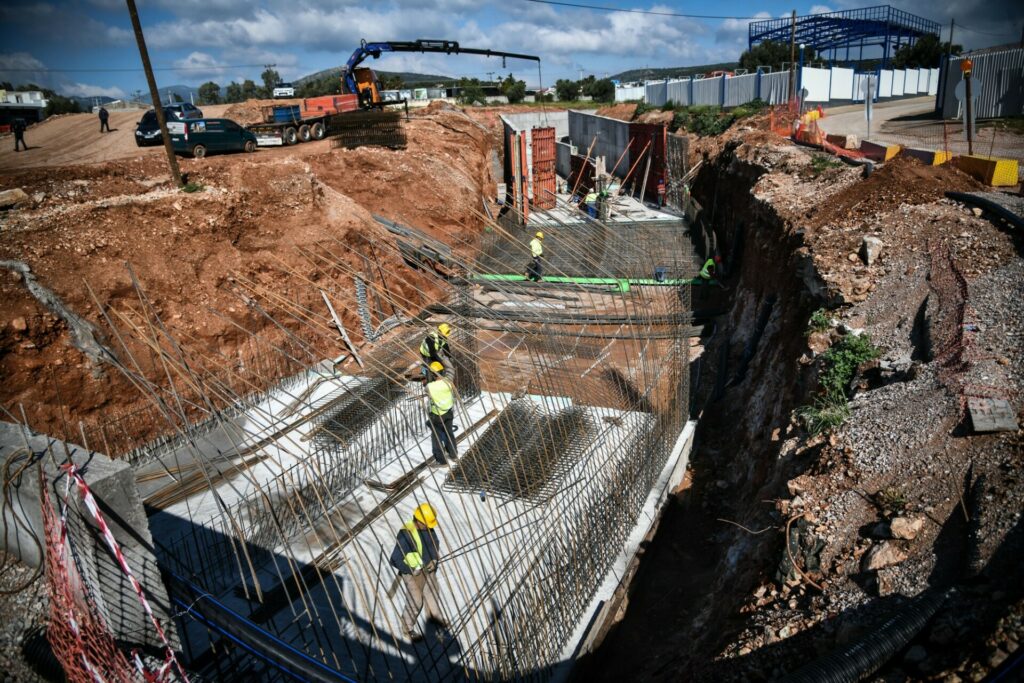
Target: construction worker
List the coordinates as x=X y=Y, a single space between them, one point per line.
x=708 y=274
x=661 y=192
x=415 y=556
x=18 y=128
x=441 y=392
x=590 y=201
x=533 y=271
x=104 y=119
x=434 y=348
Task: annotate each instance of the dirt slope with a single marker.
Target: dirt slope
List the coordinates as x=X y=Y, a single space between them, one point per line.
x=254 y=214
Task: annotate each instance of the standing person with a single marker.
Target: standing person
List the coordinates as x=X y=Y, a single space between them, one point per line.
x=534 y=270
x=18 y=127
x=590 y=201
x=104 y=118
x=416 y=553
x=442 y=416
x=661 y=192
x=434 y=348
x=709 y=273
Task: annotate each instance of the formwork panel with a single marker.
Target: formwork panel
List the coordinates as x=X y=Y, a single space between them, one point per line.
x=543 y=140
x=649 y=137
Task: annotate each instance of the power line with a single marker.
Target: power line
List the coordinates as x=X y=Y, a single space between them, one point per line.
x=155 y=68
x=602 y=8
x=1004 y=34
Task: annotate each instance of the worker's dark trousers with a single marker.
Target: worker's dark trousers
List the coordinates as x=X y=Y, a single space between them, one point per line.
x=533 y=271
x=104 y=126
x=442 y=437
x=19 y=140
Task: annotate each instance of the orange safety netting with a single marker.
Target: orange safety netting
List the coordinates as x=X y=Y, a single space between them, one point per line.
x=79 y=635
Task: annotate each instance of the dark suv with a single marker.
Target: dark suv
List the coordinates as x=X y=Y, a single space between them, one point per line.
x=147 y=132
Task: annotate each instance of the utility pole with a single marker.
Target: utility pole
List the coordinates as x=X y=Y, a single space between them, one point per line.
x=154 y=94
x=792 y=57
x=949 y=47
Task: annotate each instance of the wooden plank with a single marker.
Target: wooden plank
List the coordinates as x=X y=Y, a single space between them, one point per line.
x=341 y=328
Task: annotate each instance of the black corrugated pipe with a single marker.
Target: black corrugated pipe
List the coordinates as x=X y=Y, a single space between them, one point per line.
x=216 y=616
x=857 y=661
x=990 y=206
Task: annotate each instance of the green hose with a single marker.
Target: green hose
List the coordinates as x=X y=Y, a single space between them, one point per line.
x=623 y=284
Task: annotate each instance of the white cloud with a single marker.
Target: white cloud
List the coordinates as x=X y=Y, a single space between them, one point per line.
x=22 y=68
x=86 y=90
x=820 y=9
x=735 y=32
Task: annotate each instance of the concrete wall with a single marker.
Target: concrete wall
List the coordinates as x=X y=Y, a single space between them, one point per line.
x=113 y=485
x=559 y=120
x=624 y=93
x=563 y=159
x=610 y=137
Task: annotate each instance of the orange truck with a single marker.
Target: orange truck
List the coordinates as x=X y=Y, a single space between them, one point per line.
x=292 y=124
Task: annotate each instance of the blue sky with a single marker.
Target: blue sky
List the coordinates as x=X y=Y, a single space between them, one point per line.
x=86 y=47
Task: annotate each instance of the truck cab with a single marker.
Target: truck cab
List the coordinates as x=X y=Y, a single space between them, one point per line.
x=367 y=85
x=283 y=90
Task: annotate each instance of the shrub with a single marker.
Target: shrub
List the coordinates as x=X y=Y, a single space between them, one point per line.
x=891 y=499
x=193 y=187
x=819 y=322
x=841 y=361
x=824 y=414
x=820 y=162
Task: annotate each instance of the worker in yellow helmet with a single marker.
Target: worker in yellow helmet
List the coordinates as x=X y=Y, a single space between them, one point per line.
x=416 y=553
x=441 y=392
x=533 y=271
x=434 y=348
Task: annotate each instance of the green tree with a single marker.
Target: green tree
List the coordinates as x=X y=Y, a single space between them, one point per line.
x=514 y=90
x=328 y=84
x=391 y=82
x=771 y=53
x=209 y=93
x=927 y=52
x=602 y=90
x=249 y=90
x=270 y=79
x=471 y=91
x=567 y=90
x=233 y=93
x=175 y=97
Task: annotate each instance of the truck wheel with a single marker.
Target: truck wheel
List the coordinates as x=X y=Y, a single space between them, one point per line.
x=199 y=151
x=250 y=146
x=304 y=135
x=318 y=131
x=290 y=136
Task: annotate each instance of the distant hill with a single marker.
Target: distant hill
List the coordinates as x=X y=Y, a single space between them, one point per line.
x=407 y=77
x=671 y=72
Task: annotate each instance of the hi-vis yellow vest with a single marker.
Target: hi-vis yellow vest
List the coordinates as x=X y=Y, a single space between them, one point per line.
x=414 y=559
x=442 y=398
x=439 y=344
x=536 y=248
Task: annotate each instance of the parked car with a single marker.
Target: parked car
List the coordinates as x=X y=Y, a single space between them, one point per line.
x=284 y=90
x=147 y=131
x=200 y=137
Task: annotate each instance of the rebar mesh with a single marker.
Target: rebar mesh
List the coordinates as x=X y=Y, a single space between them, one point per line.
x=358 y=129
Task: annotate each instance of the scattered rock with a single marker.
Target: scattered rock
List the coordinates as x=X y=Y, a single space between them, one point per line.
x=915 y=655
x=883 y=555
x=886 y=582
x=976 y=211
x=19 y=324
x=997 y=658
x=870 y=249
x=11 y=198
x=906 y=528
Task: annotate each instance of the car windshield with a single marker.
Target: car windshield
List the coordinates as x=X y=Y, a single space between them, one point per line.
x=149 y=119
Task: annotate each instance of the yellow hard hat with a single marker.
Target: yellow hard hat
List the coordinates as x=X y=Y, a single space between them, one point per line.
x=445 y=329
x=436 y=367
x=539 y=235
x=424 y=514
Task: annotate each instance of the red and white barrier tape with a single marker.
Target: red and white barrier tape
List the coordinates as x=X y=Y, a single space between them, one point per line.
x=115 y=548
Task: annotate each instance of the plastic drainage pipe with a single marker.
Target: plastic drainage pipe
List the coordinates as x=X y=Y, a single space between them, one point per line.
x=216 y=616
x=990 y=206
x=622 y=283
x=860 y=659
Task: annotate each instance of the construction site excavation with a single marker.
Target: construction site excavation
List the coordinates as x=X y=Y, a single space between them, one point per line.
x=712 y=377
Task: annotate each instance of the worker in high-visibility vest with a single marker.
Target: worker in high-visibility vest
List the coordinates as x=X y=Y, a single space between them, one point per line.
x=416 y=553
x=434 y=348
x=709 y=273
x=533 y=271
x=441 y=392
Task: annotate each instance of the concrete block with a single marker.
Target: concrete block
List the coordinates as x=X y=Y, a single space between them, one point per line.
x=929 y=157
x=992 y=171
x=844 y=141
x=877 y=152
x=113 y=485
x=991 y=414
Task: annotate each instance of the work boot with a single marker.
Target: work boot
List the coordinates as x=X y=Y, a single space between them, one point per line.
x=413 y=636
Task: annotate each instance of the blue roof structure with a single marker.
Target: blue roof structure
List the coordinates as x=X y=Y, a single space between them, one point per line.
x=883 y=26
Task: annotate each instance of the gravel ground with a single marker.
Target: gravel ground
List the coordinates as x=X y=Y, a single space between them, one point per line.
x=30 y=608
